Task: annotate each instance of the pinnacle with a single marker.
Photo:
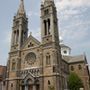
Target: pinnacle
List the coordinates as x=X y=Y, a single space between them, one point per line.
x=21 y=7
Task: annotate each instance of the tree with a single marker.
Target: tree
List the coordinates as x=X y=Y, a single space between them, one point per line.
x=74 y=82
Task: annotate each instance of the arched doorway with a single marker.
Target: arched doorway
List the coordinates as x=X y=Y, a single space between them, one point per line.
x=30 y=83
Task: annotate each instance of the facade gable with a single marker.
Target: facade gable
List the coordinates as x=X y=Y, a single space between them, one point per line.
x=30 y=42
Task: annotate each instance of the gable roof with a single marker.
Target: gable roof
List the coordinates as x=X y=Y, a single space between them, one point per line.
x=75 y=59
x=30 y=39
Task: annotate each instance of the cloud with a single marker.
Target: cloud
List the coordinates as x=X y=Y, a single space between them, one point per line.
x=69 y=8
x=73 y=19
x=63 y=4
x=36 y=33
x=75 y=35
x=76 y=30
x=32 y=13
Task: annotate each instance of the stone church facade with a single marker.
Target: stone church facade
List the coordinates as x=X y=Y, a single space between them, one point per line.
x=35 y=65
x=45 y=64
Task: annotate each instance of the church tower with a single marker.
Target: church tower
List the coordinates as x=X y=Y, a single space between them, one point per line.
x=51 y=48
x=19 y=36
x=20 y=30
x=49 y=22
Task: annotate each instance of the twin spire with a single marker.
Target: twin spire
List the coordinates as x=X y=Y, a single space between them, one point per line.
x=21 y=10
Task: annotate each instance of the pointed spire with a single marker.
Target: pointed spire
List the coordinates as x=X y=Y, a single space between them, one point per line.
x=42 y=2
x=21 y=9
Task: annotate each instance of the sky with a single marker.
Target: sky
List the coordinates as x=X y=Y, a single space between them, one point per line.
x=73 y=23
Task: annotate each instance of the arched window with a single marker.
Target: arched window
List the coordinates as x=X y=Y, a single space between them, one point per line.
x=13 y=65
x=54 y=69
x=45 y=27
x=48 y=26
x=72 y=68
x=48 y=61
x=79 y=67
x=46 y=12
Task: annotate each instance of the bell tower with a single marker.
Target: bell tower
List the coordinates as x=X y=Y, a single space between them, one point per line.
x=51 y=49
x=49 y=22
x=19 y=35
x=19 y=30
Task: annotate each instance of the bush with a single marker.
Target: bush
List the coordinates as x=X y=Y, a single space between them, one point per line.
x=74 y=82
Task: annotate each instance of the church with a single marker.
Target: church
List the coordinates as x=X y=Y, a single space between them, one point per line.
x=33 y=64
x=45 y=64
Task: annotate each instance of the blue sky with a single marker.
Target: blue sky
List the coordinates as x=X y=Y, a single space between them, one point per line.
x=74 y=24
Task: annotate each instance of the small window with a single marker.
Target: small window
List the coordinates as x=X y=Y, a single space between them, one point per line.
x=46 y=12
x=72 y=68
x=48 y=82
x=13 y=66
x=79 y=67
x=65 y=52
x=54 y=69
x=48 y=62
x=45 y=26
x=30 y=45
x=11 y=84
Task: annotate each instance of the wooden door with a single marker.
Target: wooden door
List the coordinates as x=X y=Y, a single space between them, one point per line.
x=30 y=87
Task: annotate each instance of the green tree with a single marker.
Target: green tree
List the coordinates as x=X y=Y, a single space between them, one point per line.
x=74 y=82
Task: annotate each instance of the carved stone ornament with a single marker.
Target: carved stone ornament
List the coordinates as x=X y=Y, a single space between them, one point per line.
x=30 y=58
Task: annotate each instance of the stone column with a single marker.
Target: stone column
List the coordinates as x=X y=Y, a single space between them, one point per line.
x=15 y=37
x=26 y=87
x=20 y=36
